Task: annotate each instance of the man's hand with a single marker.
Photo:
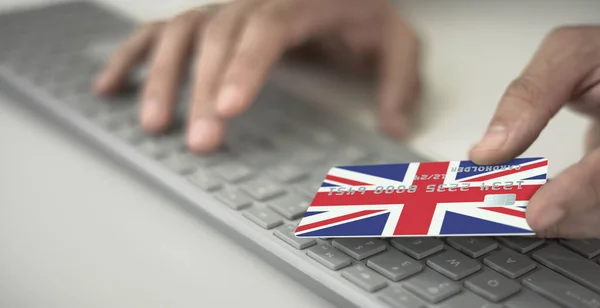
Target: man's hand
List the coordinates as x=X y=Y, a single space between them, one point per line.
x=236 y=45
x=564 y=71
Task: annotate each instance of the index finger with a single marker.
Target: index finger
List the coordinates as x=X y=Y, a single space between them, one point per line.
x=273 y=28
x=531 y=100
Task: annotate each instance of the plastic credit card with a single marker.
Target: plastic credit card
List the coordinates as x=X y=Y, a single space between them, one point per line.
x=449 y=198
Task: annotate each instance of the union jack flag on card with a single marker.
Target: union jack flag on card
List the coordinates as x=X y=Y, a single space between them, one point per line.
x=452 y=198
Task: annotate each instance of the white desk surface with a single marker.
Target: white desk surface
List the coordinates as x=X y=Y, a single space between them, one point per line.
x=75 y=231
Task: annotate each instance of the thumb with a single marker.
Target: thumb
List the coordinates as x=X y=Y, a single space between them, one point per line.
x=531 y=100
x=569 y=205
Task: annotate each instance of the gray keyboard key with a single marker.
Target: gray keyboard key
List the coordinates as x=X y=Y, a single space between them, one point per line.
x=474 y=247
x=264 y=217
x=509 y=263
x=364 y=277
x=310 y=186
x=465 y=300
x=561 y=290
x=589 y=248
x=359 y=248
x=287 y=173
x=131 y=134
x=262 y=189
x=234 y=198
x=287 y=234
x=394 y=265
x=329 y=256
x=432 y=286
x=178 y=163
x=570 y=264
x=418 y=248
x=400 y=298
x=205 y=180
x=528 y=299
x=291 y=205
x=454 y=265
x=151 y=148
x=353 y=155
x=233 y=172
x=214 y=159
x=522 y=244
x=492 y=286
x=308 y=156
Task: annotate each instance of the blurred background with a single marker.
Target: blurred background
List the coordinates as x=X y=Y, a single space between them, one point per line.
x=156 y=256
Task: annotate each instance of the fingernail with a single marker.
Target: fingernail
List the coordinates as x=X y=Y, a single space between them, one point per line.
x=203 y=134
x=494 y=138
x=152 y=112
x=100 y=82
x=229 y=100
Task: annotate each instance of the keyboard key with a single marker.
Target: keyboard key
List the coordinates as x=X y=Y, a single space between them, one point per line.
x=418 y=248
x=394 y=265
x=561 y=290
x=234 y=198
x=364 y=277
x=492 y=286
x=522 y=244
x=287 y=173
x=432 y=286
x=474 y=247
x=509 y=263
x=286 y=233
x=151 y=148
x=329 y=256
x=132 y=134
x=205 y=180
x=308 y=156
x=454 y=265
x=353 y=155
x=570 y=264
x=466 y=300
x=398 y=297
x=359 y=248
x=528 y=299
x=233 y=172
x=262 y=189
x=589 y=248
x=291 y=205
x=264 y=217
x=214 y=159
x=179 y=164
x=310 y=186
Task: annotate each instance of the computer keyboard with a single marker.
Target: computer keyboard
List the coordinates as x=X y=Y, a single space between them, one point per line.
x=258 y=185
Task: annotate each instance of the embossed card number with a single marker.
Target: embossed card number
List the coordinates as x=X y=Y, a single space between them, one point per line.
x=446 y=198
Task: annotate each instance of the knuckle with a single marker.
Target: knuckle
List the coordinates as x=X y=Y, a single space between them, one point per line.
x=580 y=41
x=566 y=33
x=183 y=19
x=264 y=20
x=215 y=32
x=161 y=71
x=151 y=26
x=525 y=90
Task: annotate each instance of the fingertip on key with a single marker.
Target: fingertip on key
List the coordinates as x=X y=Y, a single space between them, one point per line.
x=205 y=135
x=230 y=101
x=154 y=117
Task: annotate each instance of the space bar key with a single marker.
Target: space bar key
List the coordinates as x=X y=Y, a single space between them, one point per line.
x=561 y=290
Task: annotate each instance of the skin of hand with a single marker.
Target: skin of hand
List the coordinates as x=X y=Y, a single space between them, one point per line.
x=565 y=71
x=237 y=43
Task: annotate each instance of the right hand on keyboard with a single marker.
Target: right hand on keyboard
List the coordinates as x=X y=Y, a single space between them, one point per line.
x=237 y=43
